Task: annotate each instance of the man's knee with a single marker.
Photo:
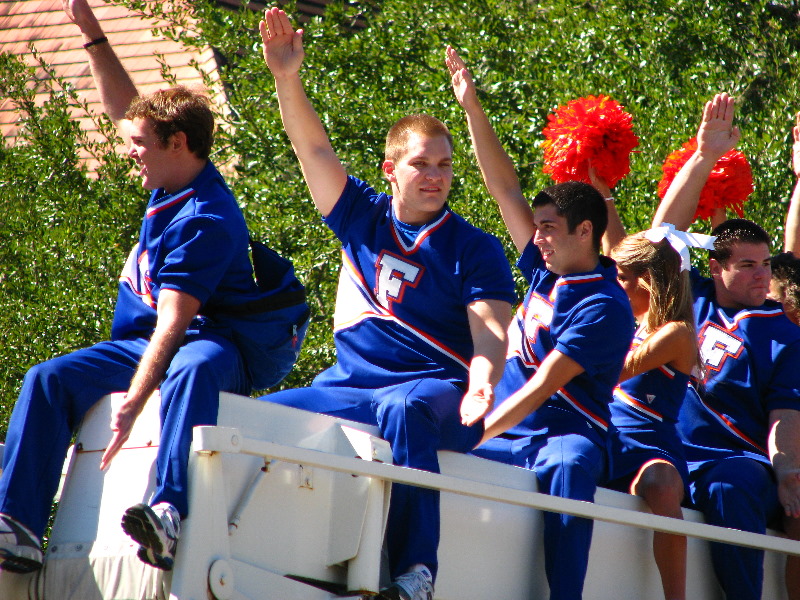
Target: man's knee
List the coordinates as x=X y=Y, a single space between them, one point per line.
x=738 y=493
x=414 y=398
x=49 y=370
x=739 y=478
x=570 y=470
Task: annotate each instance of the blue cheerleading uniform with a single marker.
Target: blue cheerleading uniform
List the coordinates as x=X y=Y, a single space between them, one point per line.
x=586 y=316
x=404 y=346
x=750 y=357
x=194 y=241
x=644 y=414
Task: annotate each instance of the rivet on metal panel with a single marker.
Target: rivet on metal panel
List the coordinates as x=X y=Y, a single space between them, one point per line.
x=306 y=477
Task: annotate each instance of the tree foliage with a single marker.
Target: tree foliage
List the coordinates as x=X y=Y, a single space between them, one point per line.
x=64 y=235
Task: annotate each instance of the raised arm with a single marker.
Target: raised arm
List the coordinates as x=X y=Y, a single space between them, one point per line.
x=283 y=53
x=115 y=86
x=716 y=136
x=791 y=242
x=615 y=230
x=488 y=324
x=496 y=167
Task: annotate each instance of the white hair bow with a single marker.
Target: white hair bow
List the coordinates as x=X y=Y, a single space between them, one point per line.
x=680 y=241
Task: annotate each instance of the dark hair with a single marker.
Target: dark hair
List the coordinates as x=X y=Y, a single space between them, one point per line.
x=397 y=137
x=577 y=202
x=786 y=276
x=177 y=109
x=736 y=231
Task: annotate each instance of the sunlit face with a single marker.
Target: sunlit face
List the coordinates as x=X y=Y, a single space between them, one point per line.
x=421 y=178
x=563 y=252
x=743 y=282
x=636 y=290
x=153 y=159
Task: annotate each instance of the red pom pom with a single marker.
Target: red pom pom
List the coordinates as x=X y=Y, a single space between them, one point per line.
x=595 y=129
x=728 y=186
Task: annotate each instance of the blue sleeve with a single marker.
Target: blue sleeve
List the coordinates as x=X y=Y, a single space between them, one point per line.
x=530 y=260
x=784 y=387
x=598 y=335
x=701 y=286
x=356 y=196
x=198 y=253
x=489 y=275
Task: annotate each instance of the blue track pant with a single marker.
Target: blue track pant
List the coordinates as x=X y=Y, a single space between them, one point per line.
x=417 y=418
x=740 y=493
x=569 y=465
x=56 y=394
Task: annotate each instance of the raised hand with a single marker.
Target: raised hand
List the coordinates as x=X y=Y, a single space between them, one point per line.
x=717 y=134
x=796 y=146
x=283 y=46
x=80 y=13
x=463 y=85
x=598 y=182
x=77 y=10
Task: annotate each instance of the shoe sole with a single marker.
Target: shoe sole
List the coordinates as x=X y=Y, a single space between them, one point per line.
x=18 y=564
x=390 y=593
x=138 y=523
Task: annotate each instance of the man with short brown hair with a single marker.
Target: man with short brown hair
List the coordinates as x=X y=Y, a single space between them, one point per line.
x=178 y=323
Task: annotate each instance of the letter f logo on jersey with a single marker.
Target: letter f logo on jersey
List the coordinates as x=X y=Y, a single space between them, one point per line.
x=717 y=344
x=392 y=275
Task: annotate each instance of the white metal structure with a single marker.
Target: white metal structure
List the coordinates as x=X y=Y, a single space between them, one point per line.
x=291 y=505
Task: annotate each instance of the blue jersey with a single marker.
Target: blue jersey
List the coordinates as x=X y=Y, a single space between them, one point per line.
x=644 y=414
x=751 y=359
x=194 y=241
x=585 y=316
x=401 y=305
x=652 y=397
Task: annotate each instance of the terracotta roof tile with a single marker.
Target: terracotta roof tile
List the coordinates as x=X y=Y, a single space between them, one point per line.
x=59 y=42
x=43 y=23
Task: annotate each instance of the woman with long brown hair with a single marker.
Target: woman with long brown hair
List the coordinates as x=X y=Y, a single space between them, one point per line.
x=646 y=452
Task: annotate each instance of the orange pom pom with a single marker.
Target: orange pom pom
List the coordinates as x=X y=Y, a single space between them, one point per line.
x=593 y=129
x=728 y=186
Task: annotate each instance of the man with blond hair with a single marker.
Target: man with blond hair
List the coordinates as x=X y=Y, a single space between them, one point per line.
x=423 y=304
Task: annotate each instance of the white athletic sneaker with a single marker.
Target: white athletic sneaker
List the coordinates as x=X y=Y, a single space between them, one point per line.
x=20 y=549
x=157 y=530
x=417 y=584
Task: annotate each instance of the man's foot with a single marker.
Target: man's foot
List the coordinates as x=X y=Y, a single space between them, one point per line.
x=20 y=550
x=157 y=530
x=417 y=584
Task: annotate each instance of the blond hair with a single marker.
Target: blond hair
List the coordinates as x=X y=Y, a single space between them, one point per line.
x=658 y=268
x=397 y=137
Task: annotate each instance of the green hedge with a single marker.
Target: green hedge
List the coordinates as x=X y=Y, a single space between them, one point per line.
x=64 y=236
